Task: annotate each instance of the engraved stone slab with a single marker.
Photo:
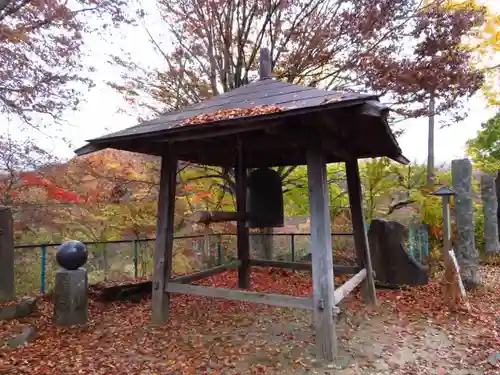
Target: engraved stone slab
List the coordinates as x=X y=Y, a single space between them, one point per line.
x=6 y=255
x=466 y=252
x=490 y=207
x=70 y=297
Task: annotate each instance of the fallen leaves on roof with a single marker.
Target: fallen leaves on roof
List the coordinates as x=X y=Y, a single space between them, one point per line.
x=226 y=114
x=334 y=99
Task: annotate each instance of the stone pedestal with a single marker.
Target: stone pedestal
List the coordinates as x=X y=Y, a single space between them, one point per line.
x=70 y=297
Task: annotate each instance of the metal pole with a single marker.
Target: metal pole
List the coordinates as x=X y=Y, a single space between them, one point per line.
x=219 y=250
x=292 y=246
x=105 y=258
x=412 y=240
x=43 y=270
x=446 y=223
x=136 y=266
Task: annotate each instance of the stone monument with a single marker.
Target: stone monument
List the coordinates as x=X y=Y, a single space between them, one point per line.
x=490 y=207
x=70 y=294
x=466 y=252
x=6 y=255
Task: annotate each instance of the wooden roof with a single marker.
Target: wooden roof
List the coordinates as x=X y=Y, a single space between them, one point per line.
x=345 y=124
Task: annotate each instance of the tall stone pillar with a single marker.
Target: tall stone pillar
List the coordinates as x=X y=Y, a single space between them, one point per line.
x=497 y=187
x=7 y=291
x=467 y=255
x=490 y=208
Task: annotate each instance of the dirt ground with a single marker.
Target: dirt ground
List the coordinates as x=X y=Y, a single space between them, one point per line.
x=411 y=333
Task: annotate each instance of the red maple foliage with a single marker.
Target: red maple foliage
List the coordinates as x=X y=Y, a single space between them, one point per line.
x=53 y=191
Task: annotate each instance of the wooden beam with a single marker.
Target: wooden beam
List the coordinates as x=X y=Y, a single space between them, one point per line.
x=243 y=240
x=359 y=229
x=207 y=217
x=186 y=279
x=164 y=238
x=299 y=266
x=242 y=295
x=321 y=251
x=346 y=288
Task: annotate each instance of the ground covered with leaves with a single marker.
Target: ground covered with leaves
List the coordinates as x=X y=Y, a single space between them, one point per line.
x=411 y=332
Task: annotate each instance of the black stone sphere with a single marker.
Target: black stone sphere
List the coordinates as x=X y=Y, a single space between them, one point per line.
x=72 y=255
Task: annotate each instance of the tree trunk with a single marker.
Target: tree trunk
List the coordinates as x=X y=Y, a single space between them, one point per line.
x=268 y=243
x=262 y=243
x=430 y=143
x=466 y=252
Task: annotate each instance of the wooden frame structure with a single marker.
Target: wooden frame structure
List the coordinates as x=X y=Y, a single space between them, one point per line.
x=314 y=127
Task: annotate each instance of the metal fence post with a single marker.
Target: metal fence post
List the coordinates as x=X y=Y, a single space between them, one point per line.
x=105 y=261
x=412 y=240
x=219 y=250
x=43 y=267
x=292 y=246
x=136 y=267
x=426 y=239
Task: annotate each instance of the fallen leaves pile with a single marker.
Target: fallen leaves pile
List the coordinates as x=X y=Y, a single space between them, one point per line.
x=226 y=114
x=478 y=330
x=207 y=335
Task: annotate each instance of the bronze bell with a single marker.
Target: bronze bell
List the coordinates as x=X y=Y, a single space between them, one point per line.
x=265 y=199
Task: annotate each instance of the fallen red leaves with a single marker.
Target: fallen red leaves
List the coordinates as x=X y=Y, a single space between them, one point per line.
x=226 y=114
x=120 y=340
x=478 y=329
x=210 y=336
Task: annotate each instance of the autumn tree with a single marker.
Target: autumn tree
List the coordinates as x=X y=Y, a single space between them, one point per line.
x=104 y=196
x=41 y=70
x=436 y=74
x=485 y=44
x=41 y=44
x=16 y=158
x=489 y=49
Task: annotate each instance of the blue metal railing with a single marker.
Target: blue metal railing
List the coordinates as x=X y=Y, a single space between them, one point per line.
x=418 y=247
x=418 y=242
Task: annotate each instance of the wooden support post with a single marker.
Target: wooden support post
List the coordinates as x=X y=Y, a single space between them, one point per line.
x=164 y=238
x=7 y=290
x=243 y=239
x=359 y=229
x=351 y=284
x=322 y=259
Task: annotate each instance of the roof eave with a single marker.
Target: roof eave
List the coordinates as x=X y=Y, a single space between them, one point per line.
x=89 y=148
x=375 y=108
x=401 y=159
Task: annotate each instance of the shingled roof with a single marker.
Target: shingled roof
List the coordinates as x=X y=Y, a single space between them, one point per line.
x=350 y=124
x=269 y=92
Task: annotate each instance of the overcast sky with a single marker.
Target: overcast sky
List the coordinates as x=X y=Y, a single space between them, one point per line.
x=99 y=114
